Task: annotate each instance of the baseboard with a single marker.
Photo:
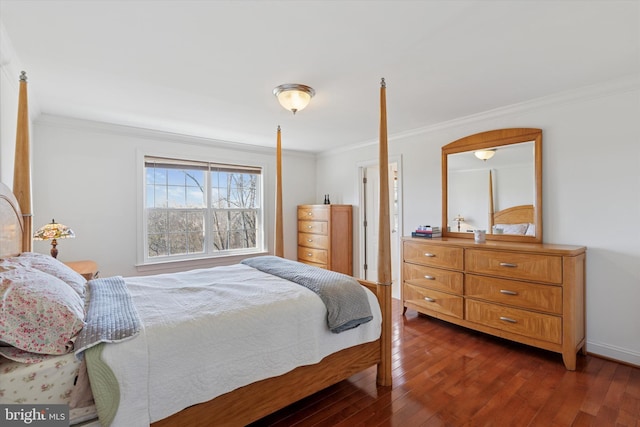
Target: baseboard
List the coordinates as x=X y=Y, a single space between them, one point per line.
x=616 y=354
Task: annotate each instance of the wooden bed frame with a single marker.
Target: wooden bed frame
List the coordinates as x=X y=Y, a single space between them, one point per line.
x=254 y=401
x=514 y=215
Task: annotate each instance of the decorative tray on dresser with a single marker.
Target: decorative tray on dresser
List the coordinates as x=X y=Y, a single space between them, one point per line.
x=526 y=292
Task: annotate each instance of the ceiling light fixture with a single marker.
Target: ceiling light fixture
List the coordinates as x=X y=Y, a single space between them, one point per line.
x=485 y=154
x=294 y=97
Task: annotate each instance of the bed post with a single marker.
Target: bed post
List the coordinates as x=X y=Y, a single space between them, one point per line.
x=279 y=223
x=384 y=246
x=22 y=165
x=491 y=208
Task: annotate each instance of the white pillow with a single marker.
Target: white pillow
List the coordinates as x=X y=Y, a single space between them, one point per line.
x=513 y=228
x=531 y=230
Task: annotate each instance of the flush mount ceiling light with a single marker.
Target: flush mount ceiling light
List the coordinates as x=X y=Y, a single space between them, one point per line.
x=485 y=154
x=294 y=97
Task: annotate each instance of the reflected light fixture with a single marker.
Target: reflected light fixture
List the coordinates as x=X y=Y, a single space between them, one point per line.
x=54 y=231
x=459 y=218
x=485 y=154
x=294 y=97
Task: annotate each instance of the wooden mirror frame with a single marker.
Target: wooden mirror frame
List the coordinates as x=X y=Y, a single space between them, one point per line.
x=493 y=139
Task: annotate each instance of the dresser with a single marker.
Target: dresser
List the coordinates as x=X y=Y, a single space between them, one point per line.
x=325 y=237
x=525 y=292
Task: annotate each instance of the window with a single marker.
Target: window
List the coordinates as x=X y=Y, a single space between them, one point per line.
x=196 y=209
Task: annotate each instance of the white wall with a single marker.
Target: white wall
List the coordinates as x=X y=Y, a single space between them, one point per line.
x=9 y=90
x=85 y=175
x=8 y=122
x=591 y=192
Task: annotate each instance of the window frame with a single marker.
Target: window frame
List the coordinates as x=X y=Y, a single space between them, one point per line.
x=209 y=253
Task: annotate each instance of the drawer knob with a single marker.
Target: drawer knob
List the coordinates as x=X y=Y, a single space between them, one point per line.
x=308 y=254
x=309 y=240
x=508 y=292
x=508 y=319
x=309 y=226
x=507 y=264
x=430 y=277
x=429 y=255
x=309 y=213
x=429 y=299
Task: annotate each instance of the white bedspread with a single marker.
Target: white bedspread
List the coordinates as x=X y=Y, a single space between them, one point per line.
x=207 y=332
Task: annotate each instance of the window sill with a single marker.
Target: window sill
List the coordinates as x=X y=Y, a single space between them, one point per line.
x=190 y=264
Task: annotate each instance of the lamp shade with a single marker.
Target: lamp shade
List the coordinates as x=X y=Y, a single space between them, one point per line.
x=294 y=97
x=53 y=230
x=485 y=154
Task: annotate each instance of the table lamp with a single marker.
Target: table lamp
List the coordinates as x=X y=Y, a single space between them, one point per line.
x=54 y=231
x=459 y=219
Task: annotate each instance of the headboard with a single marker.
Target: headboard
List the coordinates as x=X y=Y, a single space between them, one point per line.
x=11 y=225
x=514 y=215
x=516 y=220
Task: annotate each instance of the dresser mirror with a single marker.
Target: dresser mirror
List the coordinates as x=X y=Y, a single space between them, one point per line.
x=492 y=181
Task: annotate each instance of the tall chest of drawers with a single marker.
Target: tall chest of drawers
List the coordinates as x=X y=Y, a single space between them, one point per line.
x=530 y=293
x=325 y=237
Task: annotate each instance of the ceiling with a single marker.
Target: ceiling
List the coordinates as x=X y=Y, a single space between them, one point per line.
x=208 y=68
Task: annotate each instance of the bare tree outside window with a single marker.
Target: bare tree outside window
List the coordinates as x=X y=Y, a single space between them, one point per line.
x=234 y=209
x=180 y=221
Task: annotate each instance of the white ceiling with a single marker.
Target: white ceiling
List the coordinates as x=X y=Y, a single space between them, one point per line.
x=208 y=68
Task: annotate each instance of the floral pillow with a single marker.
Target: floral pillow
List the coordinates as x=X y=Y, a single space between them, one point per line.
x=52 y=266
x=39 y=313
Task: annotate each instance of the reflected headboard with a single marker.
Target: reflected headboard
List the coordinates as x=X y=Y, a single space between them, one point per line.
x=514 y=215
x=11 y=225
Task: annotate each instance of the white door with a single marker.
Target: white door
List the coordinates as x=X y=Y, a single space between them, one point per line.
x=369 y=194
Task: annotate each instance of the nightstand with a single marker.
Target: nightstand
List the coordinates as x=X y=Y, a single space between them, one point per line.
x=87 y=269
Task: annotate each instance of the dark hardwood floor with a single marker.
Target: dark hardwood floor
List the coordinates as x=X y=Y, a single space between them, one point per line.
x=444 y=375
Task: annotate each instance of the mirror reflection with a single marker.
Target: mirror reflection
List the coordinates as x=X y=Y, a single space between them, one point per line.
x=492 y=181
x=491 y=188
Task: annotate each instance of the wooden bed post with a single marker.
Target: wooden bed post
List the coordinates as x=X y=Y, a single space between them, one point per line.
x=384 y=245
x=491 y=208
x=22 y=165
x=279 y=221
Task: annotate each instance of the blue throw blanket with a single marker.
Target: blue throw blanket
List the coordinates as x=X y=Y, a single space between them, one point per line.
x=345 y=299
x=111 y=316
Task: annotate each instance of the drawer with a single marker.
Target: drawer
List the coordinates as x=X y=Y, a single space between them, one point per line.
x=313 y=264
x=434 y=278
x=433 y=255
x=541 y=268
x=520 y=294
x=318 y=256
x=433 y=300
x=540 y=326
x=314 y=227
x=317 y=241
x=313 y=213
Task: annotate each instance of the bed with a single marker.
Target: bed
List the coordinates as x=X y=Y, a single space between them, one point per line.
x=515 y=220
x=246 y=401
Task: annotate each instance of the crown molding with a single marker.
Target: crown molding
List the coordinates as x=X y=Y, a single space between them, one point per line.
x=625 y=84
x=66 y=122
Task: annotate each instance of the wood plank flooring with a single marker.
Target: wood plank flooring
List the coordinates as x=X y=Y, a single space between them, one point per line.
x=444 y=375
